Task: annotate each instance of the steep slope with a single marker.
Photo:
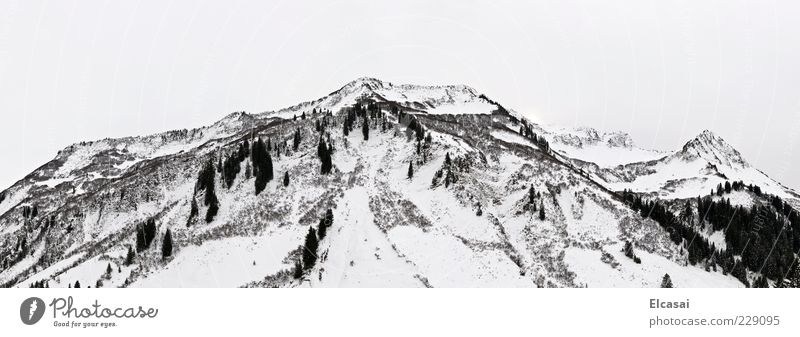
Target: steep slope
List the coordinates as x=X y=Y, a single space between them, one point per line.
x=465 y=216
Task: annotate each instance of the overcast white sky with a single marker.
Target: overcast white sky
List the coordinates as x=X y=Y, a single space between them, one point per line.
x=661 y=70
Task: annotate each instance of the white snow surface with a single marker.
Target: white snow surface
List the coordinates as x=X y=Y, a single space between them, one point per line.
x=389 y=230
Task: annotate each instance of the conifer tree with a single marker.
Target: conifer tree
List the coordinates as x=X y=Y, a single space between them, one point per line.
x=262 y=165
x=145 y=233
x=130 y=256
x=324 y=223
x=666 y=282
x=298 y=269
x=166 y=245
x=286 y=178
x=628 y=250
x=329 y=217
x=410 y=170
x=296 y=140
x=140 y=242
x=230 y=169
x=324 y=153
x=541 y=211
x=531 y=195
x=310 y=249
x=449 y=178
x=323 y=229
x=77 y=284
x=687 y=215
x=192 y=212
x=365 y=128
x=108 y=269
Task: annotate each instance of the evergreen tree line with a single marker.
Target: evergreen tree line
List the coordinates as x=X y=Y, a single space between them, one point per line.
x=350 y=119
x=231 y=166
x=40 y=284
x=767 y=235
x=30 y=212
x=736 y=186
x=628 y=250
x=532 y=197
x=526 y=131
x=321 y=124
x=145 y=233
x=697 y=246
x=19 y=252
x=371 y=116
x=446 y=171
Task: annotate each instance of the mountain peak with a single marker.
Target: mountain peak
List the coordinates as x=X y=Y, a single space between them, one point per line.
x=433 y=99
x=713 y=148
x=375 y=84
x=368 y=82
x=708 y=135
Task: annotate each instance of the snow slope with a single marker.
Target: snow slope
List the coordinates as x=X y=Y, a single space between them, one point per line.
x=389 y=230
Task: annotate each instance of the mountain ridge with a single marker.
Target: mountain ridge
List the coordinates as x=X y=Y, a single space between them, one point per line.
x=428 y=186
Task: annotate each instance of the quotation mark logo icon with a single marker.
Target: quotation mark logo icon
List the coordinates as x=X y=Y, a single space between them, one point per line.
x=31 y=310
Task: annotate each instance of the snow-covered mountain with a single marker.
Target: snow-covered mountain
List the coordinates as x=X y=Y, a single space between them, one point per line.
x=698 y=167
x=449 y=99
x=449 y=189
x=605 y=149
